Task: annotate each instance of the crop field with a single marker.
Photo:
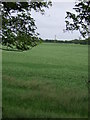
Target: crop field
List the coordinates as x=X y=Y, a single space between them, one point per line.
x=48 y=81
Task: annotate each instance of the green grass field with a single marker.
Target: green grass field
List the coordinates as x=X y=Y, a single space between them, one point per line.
x=48 y=81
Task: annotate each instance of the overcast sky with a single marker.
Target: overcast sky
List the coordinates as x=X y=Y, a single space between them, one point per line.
x=53 y=22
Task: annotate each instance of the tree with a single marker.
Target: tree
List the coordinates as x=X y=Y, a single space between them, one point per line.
x=18 y=27
x=81 y=20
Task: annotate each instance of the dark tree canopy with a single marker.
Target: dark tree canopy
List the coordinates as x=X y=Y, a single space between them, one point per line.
x=81 y=20
x=18 y=27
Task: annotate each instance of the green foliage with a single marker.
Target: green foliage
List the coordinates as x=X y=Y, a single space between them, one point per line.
x=25 y=42
x=81 y=20
x=47 y=82
x=16 y=19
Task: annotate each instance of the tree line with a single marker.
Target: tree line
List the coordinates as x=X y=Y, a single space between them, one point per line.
x=75 y=41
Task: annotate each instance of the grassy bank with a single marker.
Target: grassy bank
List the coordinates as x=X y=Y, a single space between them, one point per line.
x=48 y=81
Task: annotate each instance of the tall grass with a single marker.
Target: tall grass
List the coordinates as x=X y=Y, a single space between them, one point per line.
x=48 y=81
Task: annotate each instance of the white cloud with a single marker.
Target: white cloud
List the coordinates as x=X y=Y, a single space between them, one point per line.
x=53 y=22
x=63 y=0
